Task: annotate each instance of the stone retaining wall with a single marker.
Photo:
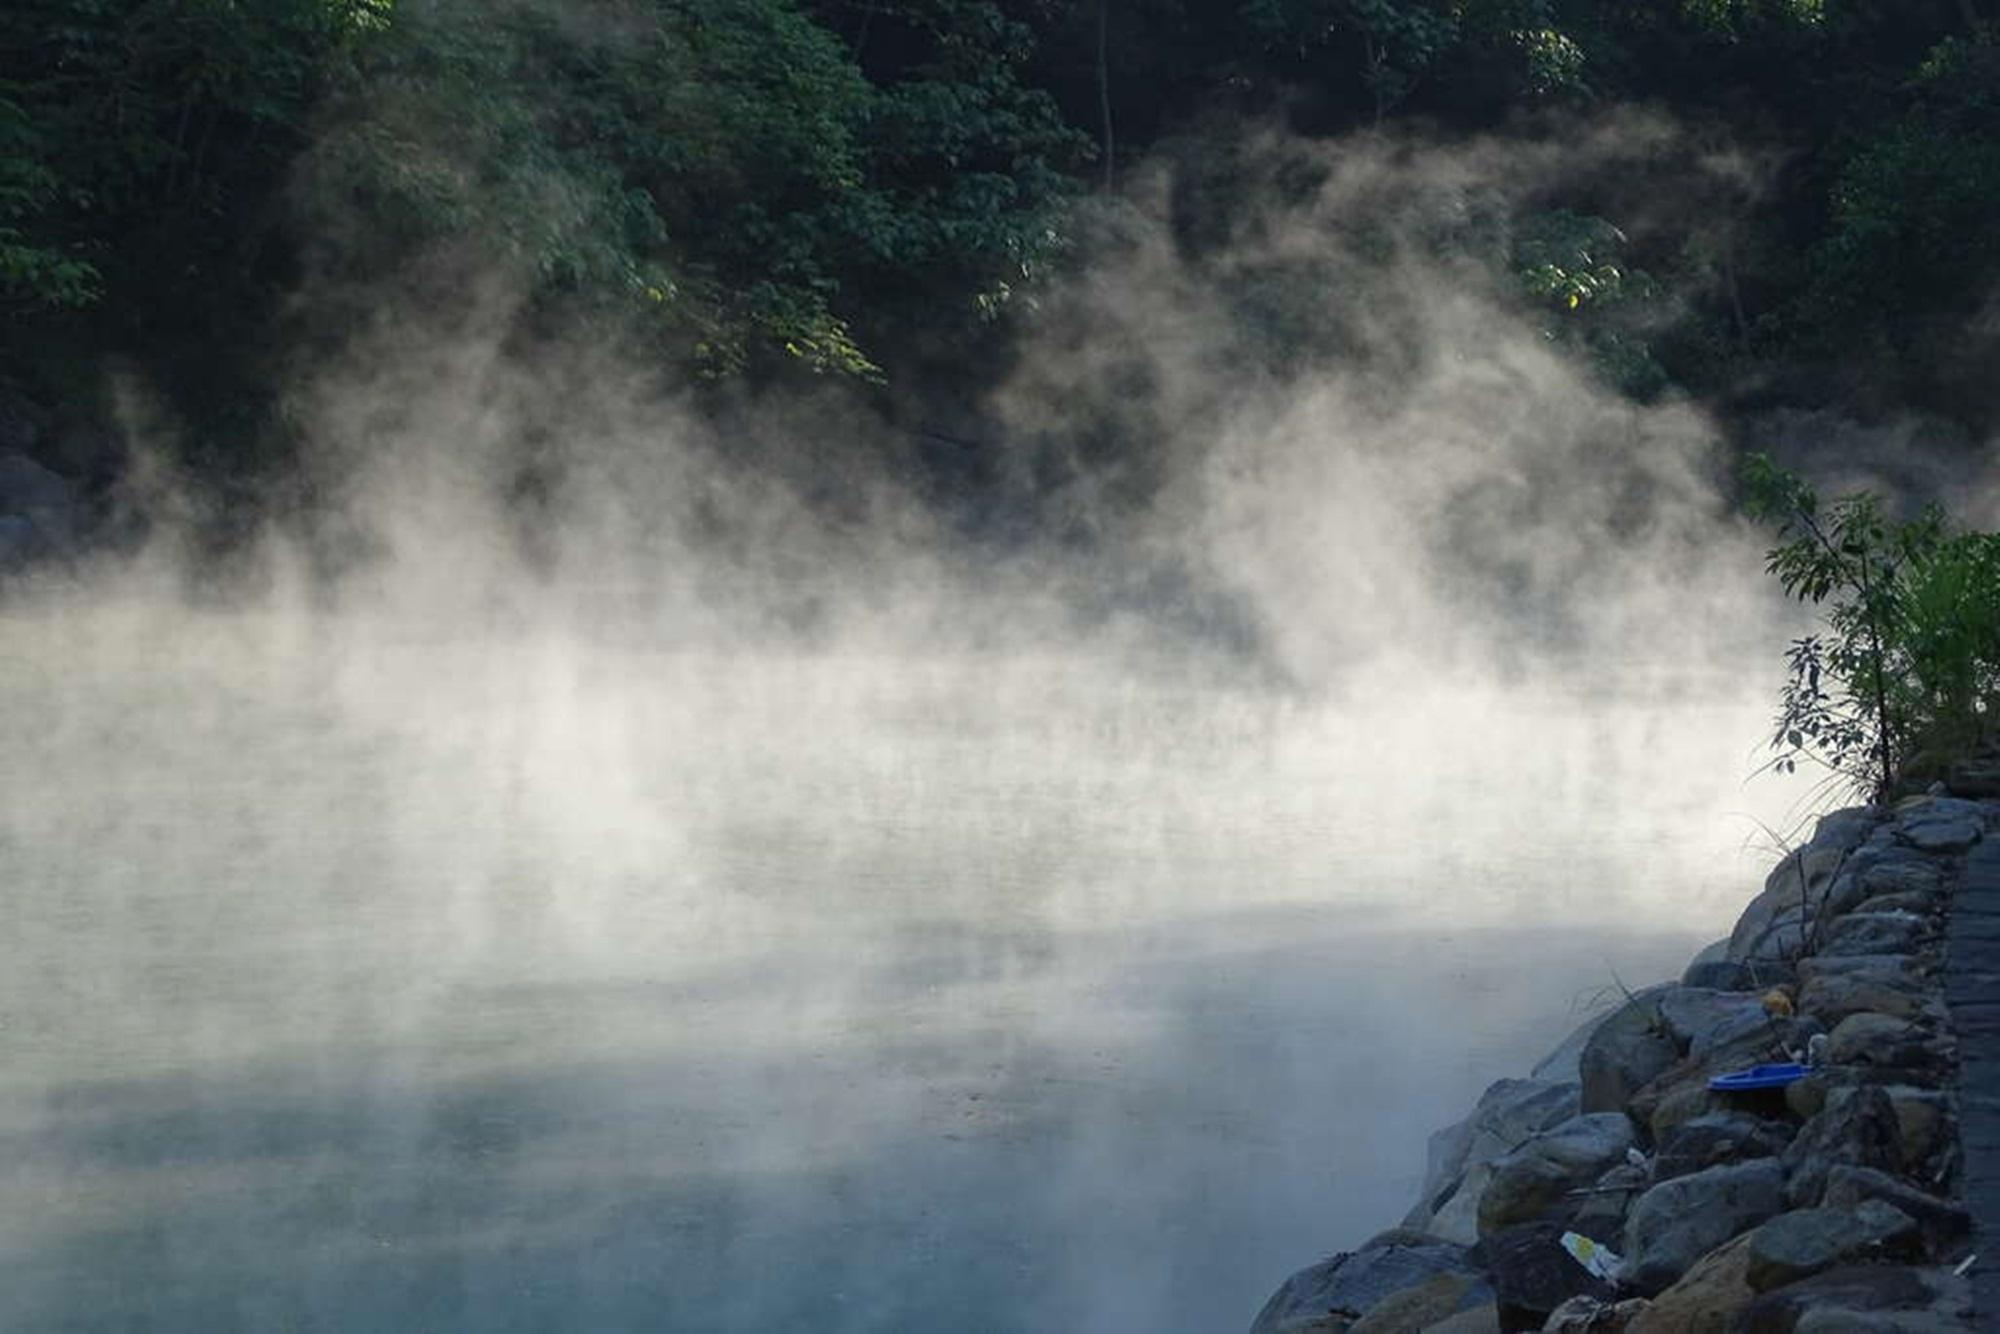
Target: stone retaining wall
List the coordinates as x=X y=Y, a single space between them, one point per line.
x=1834 y=1204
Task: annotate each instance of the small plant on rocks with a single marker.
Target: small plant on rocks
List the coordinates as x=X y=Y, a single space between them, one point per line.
x=1904 y=676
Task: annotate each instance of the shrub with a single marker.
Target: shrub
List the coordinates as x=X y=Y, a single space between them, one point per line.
x=1905 y=676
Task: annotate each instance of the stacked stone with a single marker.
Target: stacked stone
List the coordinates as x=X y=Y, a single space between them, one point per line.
x=1830 y=1204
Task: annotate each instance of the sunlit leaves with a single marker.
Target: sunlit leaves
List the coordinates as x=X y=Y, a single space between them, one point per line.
x=1908 y=671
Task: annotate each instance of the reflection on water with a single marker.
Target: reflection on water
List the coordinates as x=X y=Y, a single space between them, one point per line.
x=356 y=981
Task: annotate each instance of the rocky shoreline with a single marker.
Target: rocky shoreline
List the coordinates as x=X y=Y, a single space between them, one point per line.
x=1832 y=1203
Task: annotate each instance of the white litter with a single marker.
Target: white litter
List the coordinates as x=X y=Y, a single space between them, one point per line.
x=1598 y=1259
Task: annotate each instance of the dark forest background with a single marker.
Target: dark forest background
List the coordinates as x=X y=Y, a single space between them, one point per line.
x=744 y=194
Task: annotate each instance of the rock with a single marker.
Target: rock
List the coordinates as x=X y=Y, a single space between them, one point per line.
x=1602 y=1212
x=1940 y=824
x=1508 y=1113
x=37 y=495
x=1832 y=996
x=1803 y=1242
x=1532 y=1274
x=1687 y=1101
x=1738 y=974
x=1719 y=1137
x=1560 y=1065
x=1706 y=1298
x=1879 y=1039
x=1843 y=1299
x=1922 y=902
x=1848 y=1187
x=1347 y=1285
x=1702 y=1019
x=1875 y=933
x=1537 y=1176
x=1625 y=1052
x=1920 y=1121
x=1889 y=969
x=1478 y=1320
x=1857 y=1127
x=1677 y=1222
x=1437 y=1298
x=1770 y=927
x=1587 y=1315
x=1902 y=872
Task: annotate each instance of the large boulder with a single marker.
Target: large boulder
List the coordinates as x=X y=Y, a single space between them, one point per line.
x=1508 y=1113
x=1537 y=1177
x=1832 y=995
x=1895 y=871
x=1335 y=1292
x=1626 y=1052
x=1940 y=824
x=1772 y=926
x=1880 y=1040
x=1704 y=1300
x=1852 y=1299
x=1858 y=1127
x=1849 y=1186
x=40 y=508
x=1702 y=1019
x=1718 y=1138
x=1803 y=1242
x=1532 y=1274
x=1866 y=933
x=1418 y=1308
x=1679 y=1221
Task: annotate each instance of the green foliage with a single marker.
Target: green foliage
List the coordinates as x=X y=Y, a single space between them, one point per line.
x=1572 y=267
x=721 y=171
x=1907 y=673
x=1916 y=208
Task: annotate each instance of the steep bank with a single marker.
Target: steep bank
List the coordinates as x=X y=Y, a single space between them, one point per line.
x=1833 y=1203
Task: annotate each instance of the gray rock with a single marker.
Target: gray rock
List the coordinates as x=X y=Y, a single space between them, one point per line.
x=1560 y=1065
x=1706 y=1298
x=1875 y=1039
x=1757 y=975
x=1602 y=1212
x=1679 y=1221
x=1922 y=902
x=1848 y=1187
x=1478 y=1320
x=1854 y=1299
x=1875 y=933
x=1702 y=1019
x=1626 y=1052
x=1805 y=1241
x=1832 y=996
x=1538 y=1176
x=1532 y=1274
x=1508 y=1113
x=1794 y=890
x=1720 y=1137
x=29 y=490
x=1923 y=1120
x=1438 y=1297
x=1345 y=1286
x=1873 y=874
x=1940 y=824
x=1856 y=1127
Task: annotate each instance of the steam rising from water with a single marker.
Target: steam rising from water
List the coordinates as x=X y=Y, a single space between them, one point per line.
x=681 y=903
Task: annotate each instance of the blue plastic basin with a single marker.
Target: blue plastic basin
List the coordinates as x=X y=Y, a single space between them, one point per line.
x=1760 y=1077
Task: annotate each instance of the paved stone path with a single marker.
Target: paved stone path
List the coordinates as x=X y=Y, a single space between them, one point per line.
x=1972 y=991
